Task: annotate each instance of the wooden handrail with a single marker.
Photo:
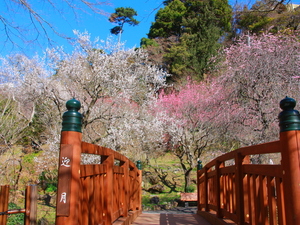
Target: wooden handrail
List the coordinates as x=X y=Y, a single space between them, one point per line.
x=255 y=194
x=243 y=192
x=106 y=191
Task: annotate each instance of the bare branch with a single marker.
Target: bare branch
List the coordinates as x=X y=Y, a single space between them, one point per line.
x=35 y=26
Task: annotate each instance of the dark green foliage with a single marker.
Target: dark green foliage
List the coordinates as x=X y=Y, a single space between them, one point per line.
x=190 y=189
x=35 y=129
x=168 y=21
x=148 y=42
x=116 y=30
x=196 y=29
x=12 y=120
x=8 y=114
x=120 y=17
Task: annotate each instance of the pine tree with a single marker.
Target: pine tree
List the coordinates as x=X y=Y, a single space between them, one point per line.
x=120 y=17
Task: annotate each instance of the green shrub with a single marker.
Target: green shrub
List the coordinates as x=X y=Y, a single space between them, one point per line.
x=51 y=188
x=48 y=181
x=190 y=189
x=29 y=158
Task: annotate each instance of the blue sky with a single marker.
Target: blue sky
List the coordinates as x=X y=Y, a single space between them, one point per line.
x=96 y=25
x=99 y=26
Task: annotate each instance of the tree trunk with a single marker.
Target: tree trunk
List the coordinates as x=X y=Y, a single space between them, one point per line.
x=187 y=179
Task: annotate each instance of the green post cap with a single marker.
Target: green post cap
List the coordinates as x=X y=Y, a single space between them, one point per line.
x=139 y=164
x=289 y=119
x=72 y=119
x=199 y=167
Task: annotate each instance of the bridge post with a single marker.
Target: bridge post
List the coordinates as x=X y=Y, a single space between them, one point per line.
x=67 y=210
x=140 y=172
x=290 y=143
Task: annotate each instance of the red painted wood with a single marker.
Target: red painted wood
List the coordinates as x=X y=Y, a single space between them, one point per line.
x=253 y=194
x=31 y=205
x=104 y=191
x=239 y=199
x=4 y=196
x=291 y=175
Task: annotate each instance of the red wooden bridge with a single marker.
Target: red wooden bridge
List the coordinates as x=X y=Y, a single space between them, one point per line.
x=231 y=190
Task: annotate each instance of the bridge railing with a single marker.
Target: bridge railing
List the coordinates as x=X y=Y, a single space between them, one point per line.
x=231 y=187
x=96 y=185
x=29 y=210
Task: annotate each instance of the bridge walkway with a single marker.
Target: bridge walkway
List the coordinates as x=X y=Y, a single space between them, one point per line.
x=169 y=219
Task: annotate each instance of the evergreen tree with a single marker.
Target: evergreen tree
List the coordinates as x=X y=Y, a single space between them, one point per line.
x=196 y=28
x=168 y=21
x=120 y=17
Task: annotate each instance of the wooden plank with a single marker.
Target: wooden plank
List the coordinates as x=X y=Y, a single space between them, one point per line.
x=265 y=148
x=125 y=188
x=90 y=148
x=211 y=174
x=252 y=198
x=92 y=170
x=151 y=219
x=95 y=149
x=96 y=199
x=231 y=185
x=265 y=198
x=31 y=205
x=256 y=199
x=249 y=198
x=246 y=198
x=218 y=188
x=91 y=197
x=263 y=170
x=238 y=203
x=271 y=200
x=226 y=193
x=227 y=169
x=280 y=202
x=84 y=200
x=221 y=196
x=229 y=215
x=118 y=169
x=109 y=185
